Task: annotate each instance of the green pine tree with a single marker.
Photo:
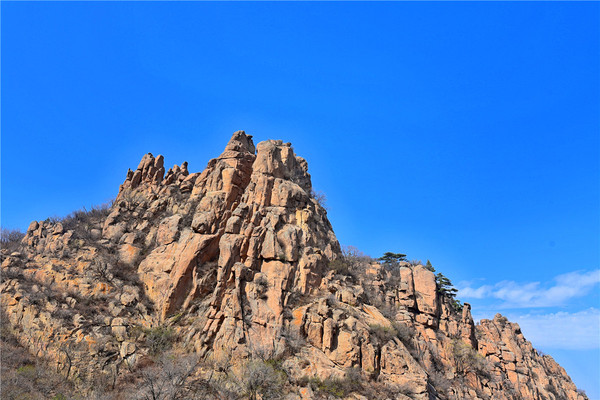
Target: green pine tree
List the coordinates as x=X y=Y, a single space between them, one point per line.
x=445 y=286
x=389 y=258
x=429 y=266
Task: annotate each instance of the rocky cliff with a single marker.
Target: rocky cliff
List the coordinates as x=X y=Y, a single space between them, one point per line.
x=239 y=266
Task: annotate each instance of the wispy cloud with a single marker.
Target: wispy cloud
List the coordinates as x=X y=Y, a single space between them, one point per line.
x=535 y=294
x=561 y=330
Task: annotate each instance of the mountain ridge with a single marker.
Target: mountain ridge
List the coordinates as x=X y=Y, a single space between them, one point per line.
x=236 y=263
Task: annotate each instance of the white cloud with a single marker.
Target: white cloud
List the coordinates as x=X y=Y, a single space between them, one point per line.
x=534 y=294
x=561 y=330
x=478 y=293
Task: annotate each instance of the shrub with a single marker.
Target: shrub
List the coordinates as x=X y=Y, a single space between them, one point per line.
x=340 y=266
x=82 y=221
x=297 y=299
x=400 y=330
x=10 y=239
x=351 y=382
x=351 y=262
x=405 y=333
x=257 y=379
x=85 y=216
x=63 y=314
x=159 y=339
x=168 y=378
x=11 y=273
x=126 y=273
x=501 y=320
x=262 y=286
x=319 y=197
x=466 y=359
x=11 y=235
x=23 y=377
x=552 y=389
x=38 y=298
x=383 y=333
x=101 y=270
x=439 y=381
x=27 y=370
x=329 y=386
x=332 y=301
x=293 y=339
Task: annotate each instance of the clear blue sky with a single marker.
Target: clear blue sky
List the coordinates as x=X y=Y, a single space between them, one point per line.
x=464 y=133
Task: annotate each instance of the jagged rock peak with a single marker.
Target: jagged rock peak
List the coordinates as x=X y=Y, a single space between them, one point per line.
x=239 y=143
x=277 y=159
x=270 y=157
x=149 y=170
x=249 y=213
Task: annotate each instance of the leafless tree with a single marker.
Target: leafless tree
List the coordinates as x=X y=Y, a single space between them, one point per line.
x=169 y=378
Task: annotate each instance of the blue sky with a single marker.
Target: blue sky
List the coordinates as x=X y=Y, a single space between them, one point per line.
x=464 y=133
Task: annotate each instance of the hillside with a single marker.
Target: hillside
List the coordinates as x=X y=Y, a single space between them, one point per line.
x=230 y=284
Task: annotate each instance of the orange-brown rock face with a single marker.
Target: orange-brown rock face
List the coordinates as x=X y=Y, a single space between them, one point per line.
x=237 y=260
x=530 y=374
x=239 y=238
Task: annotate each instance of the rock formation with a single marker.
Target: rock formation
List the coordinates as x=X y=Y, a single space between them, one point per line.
x=236 y=261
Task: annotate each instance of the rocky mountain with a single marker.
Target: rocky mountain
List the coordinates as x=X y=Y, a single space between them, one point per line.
x=230 y=283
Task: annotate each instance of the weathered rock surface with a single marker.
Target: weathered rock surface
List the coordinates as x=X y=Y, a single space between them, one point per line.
x=236 y=258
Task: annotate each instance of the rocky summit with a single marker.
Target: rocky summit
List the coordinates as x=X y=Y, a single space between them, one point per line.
x=230 y=284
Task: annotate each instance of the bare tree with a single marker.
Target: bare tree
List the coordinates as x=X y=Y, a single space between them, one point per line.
x=259 y=379
x=10 y=239
x=169 y=379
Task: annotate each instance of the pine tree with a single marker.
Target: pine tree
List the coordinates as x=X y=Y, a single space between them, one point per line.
x=390 y=257
x=391 y=261
x=445 y=287
x=429 y=266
